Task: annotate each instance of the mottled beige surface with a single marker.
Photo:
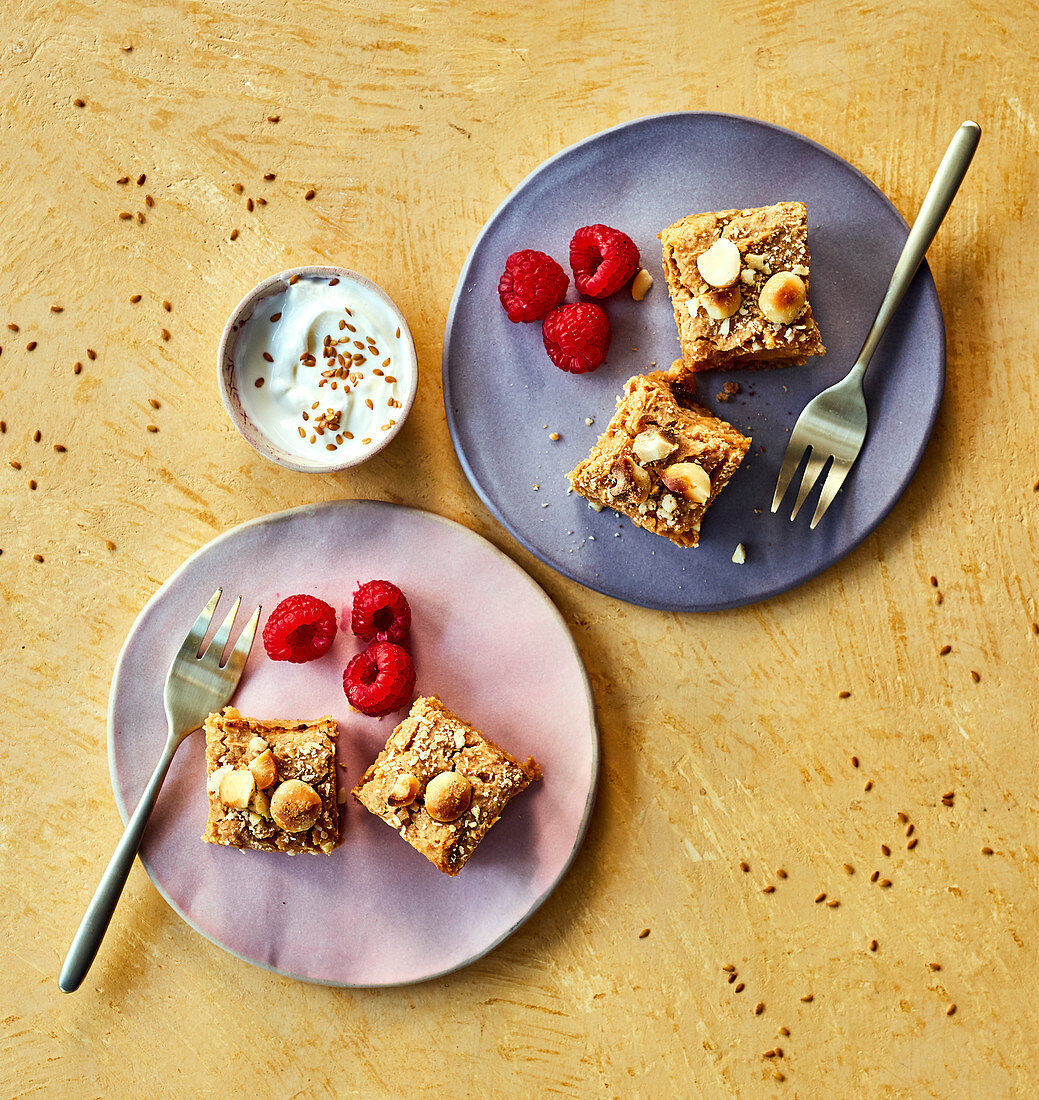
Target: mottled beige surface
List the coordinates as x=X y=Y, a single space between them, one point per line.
x=723 y=736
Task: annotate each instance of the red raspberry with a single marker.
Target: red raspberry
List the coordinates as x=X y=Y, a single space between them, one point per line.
x=300 y=628
x=380 y=680
x=603 y=260
x=531 y=284
x=577 y=337
x=380 y=613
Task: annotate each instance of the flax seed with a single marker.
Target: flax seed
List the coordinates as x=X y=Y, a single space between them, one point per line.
x=934 y=582
x=275 y=317
x=784 y=1031
x=386 y=363
x=912 y=844
x=310 y=194
x=843 y=694
x=770 y=889
x=3 y=426
x=249 y=205
x=32 y=484
x=777 y=1076
x=808 y=998
x=293 y=280
x=874 y=876
x=820 y=897
x=36 y=436
x=330 y=446
x=333 y=282
x=350 y=328
x=986 y=851
x=366 y=441
x=165 y=334
x=37 y=557
x=91 y=354
x=744 y=865
x=732 y=979
x=267 y=355
x=258 y=383
x=305 y=415
x=769 y=1054
x=57 y=309
x=167 y=306
x=934 y=966
x=135 y=298
x=644 y=933
x=302 y=433
x=946 y=649
x=60 y=448
x=868 y=785
x=951 y=1010
x=975 y=676
x=15 y=464
x=729 y=968
x=313 y=439
x=833 y=903
x=368 y=402
x=268 y=176
x=781 y=873
x=848 y=869
x=1035 y=628
x=123 y=179
x=910 y=828
x=140 y=179
x=939 y=598
x=759 y=1008
x=854 y=761
x=233 y=236
x=154 y=404
x=110 y=544
x=398 y=332
x=125 y=215
x=885 y=849
x=885 y=882
x=12 y=326
x=873 y=945
x=152 y=428
x=79 y=103
x=31 y=345
x=140 y=218
x=739 y=988
x=274 y=118
x=149 y=201
x=76 y=368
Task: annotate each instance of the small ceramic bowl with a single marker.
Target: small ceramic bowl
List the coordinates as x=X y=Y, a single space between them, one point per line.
x=253 y=431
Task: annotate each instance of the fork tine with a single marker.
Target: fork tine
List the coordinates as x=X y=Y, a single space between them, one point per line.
x=791 y=460
x=814 y=468
x=216 y=646
x=240 y=654
x=831 y=487
x=196 y=635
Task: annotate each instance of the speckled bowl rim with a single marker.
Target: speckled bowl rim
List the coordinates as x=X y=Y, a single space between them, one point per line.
x=251 y=432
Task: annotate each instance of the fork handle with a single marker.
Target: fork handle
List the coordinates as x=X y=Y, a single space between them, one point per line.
x=102 y=905
x=935 y=206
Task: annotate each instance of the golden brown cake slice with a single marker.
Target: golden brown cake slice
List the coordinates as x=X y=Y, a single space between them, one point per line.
x=272 y=785
x=662 y=460
x=441 y=784
x=738 y=281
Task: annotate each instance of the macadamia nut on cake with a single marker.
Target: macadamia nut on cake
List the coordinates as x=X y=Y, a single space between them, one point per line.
x=441 y=784
x=662 y=460
x=738 y=281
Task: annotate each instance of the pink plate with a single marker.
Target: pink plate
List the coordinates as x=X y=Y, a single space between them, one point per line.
x=485 y=638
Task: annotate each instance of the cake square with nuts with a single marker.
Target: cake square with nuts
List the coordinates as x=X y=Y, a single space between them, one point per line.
x=441 y=784
x=271 y=784
x=738 y=281
x=662 y=460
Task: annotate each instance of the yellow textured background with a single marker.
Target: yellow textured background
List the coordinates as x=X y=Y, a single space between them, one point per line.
x=723 y=737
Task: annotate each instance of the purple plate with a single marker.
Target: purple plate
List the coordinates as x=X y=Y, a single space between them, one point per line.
x=504 y=397
x=484 y=637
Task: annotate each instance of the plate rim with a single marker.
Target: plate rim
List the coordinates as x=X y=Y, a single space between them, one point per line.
x=930 y=291
x=586 y=813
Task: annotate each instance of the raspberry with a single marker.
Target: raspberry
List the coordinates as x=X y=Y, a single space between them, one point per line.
x=603 y=260
x=300 y=628
x=380 y=680
x=380 y=613
x=577 y=337
x=531 y=284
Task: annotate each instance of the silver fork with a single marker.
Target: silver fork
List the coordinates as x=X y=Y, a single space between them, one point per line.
x=832 y=425
x=196 y=684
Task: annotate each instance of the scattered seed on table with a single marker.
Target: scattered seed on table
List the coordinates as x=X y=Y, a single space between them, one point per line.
x=644 y=933
x=57 y=309
x=729 y=968
x=739 y=988
x=37 y=557
x=1035 y=628
x=874 y=876
x=238 y=188
x=854 y=761
x=167 y=306
x=79 y=103
x=31 y=345
x=975 y=676
x=258 y=383
x=260 y=200
x=140 y=179
x=135 y=298
x=165 y=334
x=781 y=873
x=123 y=179
x=808 y=997
x=149 y=201
x=152 y=428
x=784 y=1031
x=777 y=1076
x=294 y=280
x=910 y=829
x=912 y=844
x=60 y=448
x=843 y=694
x=310 y=194
x=770 y=889
x=76 y=368
x=833 y=903
x=934 y=966
x=873 y=945
x=769 y=1054
x=274 y=118
x=3 y=426
x=744 y=866
x=885 y=849
x=868 y=785
x=949 y=794
x=759 y=1008
x=731 y=978
x=154 y=404
x=140 y=218
x=820 y=897
x=945 y=650
x=934 y=581
x=275 y=317
x=109 y=544
x=848 y=869
x=902 y=817
x=885 y=882
x=268 y=175
x=267 y=355
x=15 y=464
x=91 y=354
x=32 y=484
x=127 y=48
x=37 y=436
x=125 y=215
x=951 y=1010
x=986 y=851
x=234 y=235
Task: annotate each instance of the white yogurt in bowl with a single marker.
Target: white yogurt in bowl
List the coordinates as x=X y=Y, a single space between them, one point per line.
x=317 y=368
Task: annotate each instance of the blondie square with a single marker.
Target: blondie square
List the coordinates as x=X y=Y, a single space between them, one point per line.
x=441 y=784
x=661 y=461
x=738 y=281
x=272 y=785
